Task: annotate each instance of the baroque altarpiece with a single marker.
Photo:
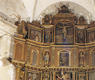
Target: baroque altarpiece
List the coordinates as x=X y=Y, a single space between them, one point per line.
x=61 y=48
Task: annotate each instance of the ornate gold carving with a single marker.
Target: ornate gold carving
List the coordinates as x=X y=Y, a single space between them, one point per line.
x=37 y=46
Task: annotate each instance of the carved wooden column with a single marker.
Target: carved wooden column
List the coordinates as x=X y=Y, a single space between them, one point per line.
x=74 y=35
x=87 y=76
x=26 y=72
x=73 y=76
x=41 y=57
x=90 y=59
x=28 y=51
x=75 y=57
x=18 y=72
x=54 y=34
x=41 y=76
x=51 y=77
x=54 y=75
x=53 y=57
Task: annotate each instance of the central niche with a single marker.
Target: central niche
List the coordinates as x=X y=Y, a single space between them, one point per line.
x=64 y=34
x=64 y=58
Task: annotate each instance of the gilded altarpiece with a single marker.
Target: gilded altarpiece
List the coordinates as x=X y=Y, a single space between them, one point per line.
x=61 y=48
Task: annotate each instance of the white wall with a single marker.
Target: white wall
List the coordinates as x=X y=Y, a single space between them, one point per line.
x=13 y=9
x=81 y=7
x=31 y=9
x=88 y=5
x=7 y=70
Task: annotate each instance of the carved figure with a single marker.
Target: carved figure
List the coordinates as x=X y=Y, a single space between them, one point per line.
x=80 y=37
x=64 y=9
x=82 y=59
x=47 y=19
x=46 y=58
x=64 y=32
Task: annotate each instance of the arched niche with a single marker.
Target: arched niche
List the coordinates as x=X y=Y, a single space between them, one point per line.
x=35 y=57
x=83 y=58
x=46 y=58
x=64 y=58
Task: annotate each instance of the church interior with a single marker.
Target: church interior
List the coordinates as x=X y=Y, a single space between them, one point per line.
x=57 y=45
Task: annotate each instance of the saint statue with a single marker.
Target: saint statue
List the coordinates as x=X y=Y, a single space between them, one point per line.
x=46 y=58
x=82 y=59
x=64 y=32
